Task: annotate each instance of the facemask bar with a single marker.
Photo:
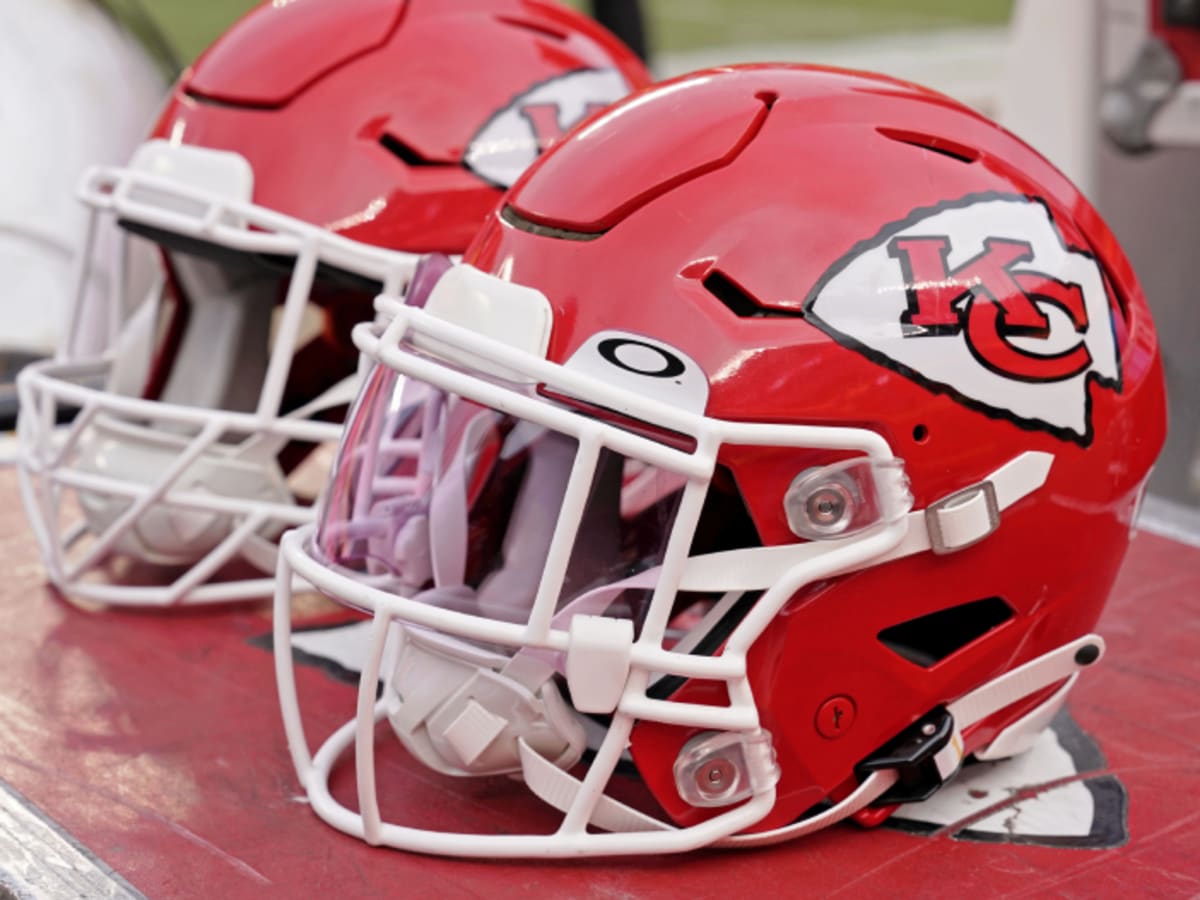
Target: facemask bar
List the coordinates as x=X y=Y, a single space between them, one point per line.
x=45 y=481
x=165 y=204
x=591 y=435
x=777 y=571
x=230 y=441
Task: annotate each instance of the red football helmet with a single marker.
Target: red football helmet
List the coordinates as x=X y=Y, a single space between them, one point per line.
x=780 y=436
x=309 y=143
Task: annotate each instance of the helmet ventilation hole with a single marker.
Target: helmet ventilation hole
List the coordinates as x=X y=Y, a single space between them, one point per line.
x=738 y=300
x=543 y=28
x=920 y=434
x=929 y=639
x=937 y=144
x=768 y=98
x=407 y=154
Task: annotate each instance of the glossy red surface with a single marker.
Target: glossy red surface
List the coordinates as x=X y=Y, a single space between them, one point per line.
x=155 y=741
x=307 y=91
x=831 y=166
x=693 y=145
x=270 y=56
x=391 y=123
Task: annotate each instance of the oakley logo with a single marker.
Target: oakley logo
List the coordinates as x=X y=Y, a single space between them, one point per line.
x=988 y=302
x=641 y=358
x=643 y=368
x=981 y=299
x=514 y=136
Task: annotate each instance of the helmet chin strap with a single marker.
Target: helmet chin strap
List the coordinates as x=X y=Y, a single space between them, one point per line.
x=459 y=708
x=559 y=788
x=1059 y=664
x=957 y=521
x=469 y=711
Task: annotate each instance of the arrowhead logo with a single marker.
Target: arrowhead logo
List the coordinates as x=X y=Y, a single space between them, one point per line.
x=982 y=299
x=513 y=137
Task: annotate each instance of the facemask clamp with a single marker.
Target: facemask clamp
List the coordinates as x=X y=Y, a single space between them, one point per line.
x=720 y=769
x=847 y=498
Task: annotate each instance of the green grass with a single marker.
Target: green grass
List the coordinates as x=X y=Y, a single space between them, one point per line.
x=689 y=24
x=675 y=24
x=191 y=25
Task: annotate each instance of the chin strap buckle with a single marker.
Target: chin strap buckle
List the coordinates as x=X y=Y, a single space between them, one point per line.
x=968 y=516
x=924 y=756
x=962 y=519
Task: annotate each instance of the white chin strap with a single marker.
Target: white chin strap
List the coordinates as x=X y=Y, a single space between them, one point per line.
x=559 y=788
x=1063 y=663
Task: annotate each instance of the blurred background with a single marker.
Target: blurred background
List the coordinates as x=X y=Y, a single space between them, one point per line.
x=1051 y=70
x=1039 y=74
x=677 y=25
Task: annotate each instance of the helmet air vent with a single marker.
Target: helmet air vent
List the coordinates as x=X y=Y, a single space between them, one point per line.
x=740 y=302
x=927 y=640
x=952 y=149
x=408 y=155
x=540 y=27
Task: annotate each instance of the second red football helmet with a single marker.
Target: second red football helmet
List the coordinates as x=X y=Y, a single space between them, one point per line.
x=311 y=141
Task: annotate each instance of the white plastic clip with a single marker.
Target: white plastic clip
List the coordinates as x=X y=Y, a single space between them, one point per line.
x=598 y=660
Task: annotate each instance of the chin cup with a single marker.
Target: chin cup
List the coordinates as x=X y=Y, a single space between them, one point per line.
x=461 y=709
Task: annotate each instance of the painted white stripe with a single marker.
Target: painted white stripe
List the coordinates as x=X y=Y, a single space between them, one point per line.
x=39 y=861
x=345 y=645
x=1061 y=812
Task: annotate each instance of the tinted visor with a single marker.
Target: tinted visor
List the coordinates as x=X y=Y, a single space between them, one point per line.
x=438 y=498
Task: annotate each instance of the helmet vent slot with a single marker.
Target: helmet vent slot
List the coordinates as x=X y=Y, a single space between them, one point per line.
x=952 y=149
x=408 y=155
x=542 y=28
x=927 y=640
x=768 y=98
x=518 y=221
x=208 y=100
x=739 y=301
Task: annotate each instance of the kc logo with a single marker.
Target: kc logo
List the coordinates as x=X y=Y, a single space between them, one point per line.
x=992 y=302
x=982 y=299
x=546 y=120
x=512 y=138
